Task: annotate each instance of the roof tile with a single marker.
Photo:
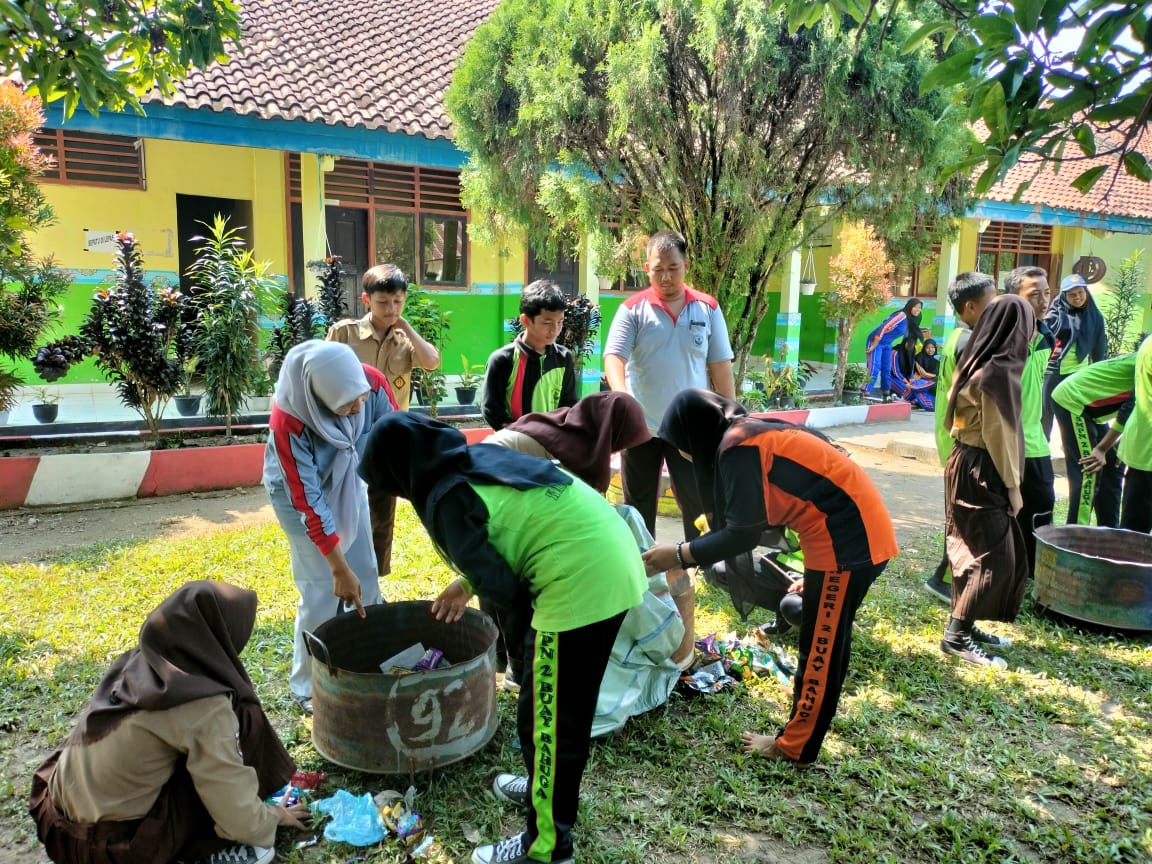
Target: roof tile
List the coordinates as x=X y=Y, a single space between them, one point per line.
x=379 y=64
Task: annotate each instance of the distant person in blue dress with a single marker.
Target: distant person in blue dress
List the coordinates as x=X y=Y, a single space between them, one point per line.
x=899 y=325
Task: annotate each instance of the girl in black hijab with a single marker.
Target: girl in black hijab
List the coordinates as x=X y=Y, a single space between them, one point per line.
x=982 y=480
x=755 y=474
x=509 y=522
x=173 y=756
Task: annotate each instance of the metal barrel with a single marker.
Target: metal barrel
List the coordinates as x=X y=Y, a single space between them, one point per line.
x=1099 y=575
x=382 y=723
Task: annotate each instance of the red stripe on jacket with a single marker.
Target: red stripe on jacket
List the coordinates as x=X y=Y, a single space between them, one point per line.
x=283 y=426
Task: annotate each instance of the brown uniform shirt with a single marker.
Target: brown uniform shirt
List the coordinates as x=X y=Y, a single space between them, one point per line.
x=120 y=776
x=977 y=422
x=392 y=355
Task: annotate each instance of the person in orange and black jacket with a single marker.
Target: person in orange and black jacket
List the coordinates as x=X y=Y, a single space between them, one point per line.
x=758 y=473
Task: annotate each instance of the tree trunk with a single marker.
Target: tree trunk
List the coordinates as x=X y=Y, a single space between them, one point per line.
x=843 y=338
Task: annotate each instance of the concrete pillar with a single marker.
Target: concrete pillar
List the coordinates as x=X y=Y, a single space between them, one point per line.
x=590 y=288
x=788 y=318
x=945 y=319
x=312 y=212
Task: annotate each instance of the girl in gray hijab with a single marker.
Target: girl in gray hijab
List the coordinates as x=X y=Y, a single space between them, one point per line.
x=326 y=402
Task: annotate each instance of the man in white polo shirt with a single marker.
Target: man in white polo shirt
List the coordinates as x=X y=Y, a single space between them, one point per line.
x=665 y=339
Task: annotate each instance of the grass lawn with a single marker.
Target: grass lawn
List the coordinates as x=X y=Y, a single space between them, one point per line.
x=928 y=761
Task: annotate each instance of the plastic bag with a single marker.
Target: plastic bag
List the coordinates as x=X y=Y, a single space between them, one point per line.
x=355 y=819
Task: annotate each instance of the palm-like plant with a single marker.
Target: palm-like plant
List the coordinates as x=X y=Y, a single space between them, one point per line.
x=231 y=289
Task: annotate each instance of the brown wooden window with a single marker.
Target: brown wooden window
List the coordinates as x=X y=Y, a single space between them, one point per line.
x=1004 y=246
x=92 y=159
x=417 y=219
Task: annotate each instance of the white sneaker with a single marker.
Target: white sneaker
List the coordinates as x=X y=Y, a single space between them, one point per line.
x=243 y=854
x=510 y=851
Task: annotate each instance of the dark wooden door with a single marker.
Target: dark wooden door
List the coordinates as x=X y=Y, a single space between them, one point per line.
x=347 y=229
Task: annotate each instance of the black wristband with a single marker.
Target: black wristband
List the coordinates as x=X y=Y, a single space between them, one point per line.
x=680 y=557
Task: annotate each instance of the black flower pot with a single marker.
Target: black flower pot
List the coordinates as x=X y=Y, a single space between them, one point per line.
x=465 y=395
x=188 y=406
x=45 y=412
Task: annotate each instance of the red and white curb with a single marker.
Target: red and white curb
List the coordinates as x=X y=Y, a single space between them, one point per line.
x=78 y=478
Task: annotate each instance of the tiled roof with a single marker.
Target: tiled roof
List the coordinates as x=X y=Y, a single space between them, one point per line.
x=1126 y=197
x=376 y=64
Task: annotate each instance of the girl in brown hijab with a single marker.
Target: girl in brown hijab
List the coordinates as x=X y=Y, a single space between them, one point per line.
x=173 y=756
x=581 y=438
x=982 y=481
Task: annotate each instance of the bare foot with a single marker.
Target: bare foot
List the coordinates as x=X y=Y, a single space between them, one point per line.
x=765 y=745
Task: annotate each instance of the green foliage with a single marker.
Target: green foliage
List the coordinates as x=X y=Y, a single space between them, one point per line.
x=704 y=116
x=132 y=328
x=299 y=322
x=29 y=287
x=330 y=297
x=110 y=52
x=432 y=323
x=1043 y=76
x=471 y=374
x=859 y=274
x=231 y=289
x=1125 y=302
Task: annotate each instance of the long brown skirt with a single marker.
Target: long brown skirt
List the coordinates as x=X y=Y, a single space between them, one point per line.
x=178 y=828
x=985 y=546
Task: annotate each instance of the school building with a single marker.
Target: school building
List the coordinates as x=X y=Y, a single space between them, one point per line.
x=327 y=135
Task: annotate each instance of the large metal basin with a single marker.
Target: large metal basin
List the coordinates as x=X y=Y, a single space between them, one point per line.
x=1099 y=575
x=400 y=724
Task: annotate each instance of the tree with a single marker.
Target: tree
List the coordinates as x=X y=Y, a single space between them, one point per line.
x=1045 y=73
x=109 y=52
x=1124 y=304
x=860 y=286
x=704 y=116
x=29 y=287
x=231 y=289
x=299 y=322
x=133 y=329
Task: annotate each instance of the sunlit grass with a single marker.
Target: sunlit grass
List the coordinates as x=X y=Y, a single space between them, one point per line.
x=928 y=761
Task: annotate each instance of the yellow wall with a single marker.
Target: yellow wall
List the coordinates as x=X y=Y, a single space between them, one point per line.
x=171 y=168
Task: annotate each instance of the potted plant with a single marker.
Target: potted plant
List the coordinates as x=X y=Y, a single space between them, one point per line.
x=260 y=399
x=470 y=378
x=429 y=388
x=854 y=377
x=187 y=402
x=46 y=407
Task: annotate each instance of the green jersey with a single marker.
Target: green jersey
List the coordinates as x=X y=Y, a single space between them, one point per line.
x=578 y=557
x=1032 y=393
x=949 y=355
x=1135 y=448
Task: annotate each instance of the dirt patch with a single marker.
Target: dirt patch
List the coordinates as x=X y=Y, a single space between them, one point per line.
x=36 y=534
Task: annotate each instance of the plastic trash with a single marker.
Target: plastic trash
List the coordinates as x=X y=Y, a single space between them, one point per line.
x=355 y=819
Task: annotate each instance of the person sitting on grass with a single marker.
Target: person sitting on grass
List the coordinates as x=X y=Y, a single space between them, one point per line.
x=507 y=521
x=755 y=474
x=173 y=756
x=901 y=324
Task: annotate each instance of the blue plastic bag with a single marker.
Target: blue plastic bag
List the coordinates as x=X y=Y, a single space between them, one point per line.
x=355 y=820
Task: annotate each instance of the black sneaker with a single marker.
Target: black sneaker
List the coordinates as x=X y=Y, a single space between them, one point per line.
x=242 y=854
x=939 y=589
x=963 y=647
x=512 y=788
x=990 y=639
x=510 y=851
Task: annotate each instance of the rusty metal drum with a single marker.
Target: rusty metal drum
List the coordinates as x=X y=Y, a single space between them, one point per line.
x=382 y=723
x=1099 y=575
